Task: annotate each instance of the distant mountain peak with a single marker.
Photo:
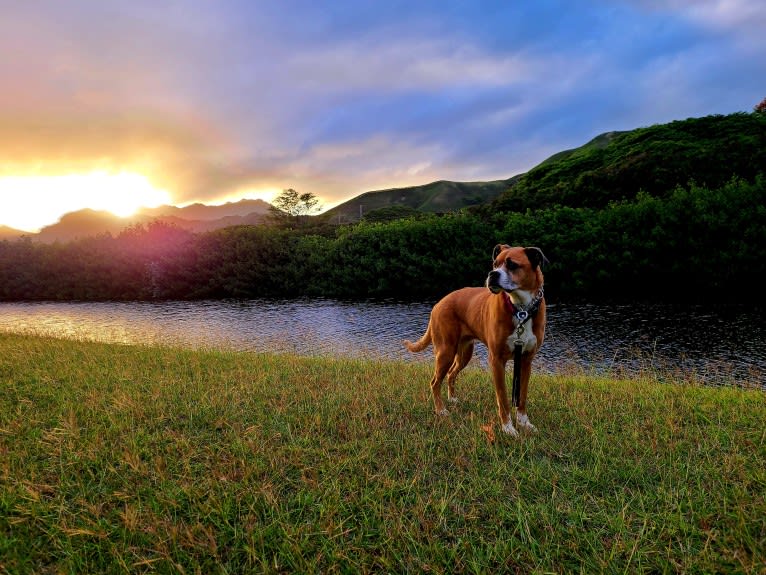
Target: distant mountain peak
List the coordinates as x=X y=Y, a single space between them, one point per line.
x=195 y=218
x=8 y=233
x=199 y=211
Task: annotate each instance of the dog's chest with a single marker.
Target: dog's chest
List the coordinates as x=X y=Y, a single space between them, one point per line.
x=527 y=336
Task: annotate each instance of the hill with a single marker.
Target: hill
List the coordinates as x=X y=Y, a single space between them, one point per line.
x=599 y=142
x=194 y=218
x=80 y=224
x=617 y=165
x=437 y=197
x=196 y=212
x=7 y=233
x=613 y=166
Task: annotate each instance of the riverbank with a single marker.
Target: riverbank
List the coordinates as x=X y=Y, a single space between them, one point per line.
x=121 y=458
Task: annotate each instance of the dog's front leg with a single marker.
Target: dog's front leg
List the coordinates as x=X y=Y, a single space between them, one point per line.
x=522 y=420
x=497 y=365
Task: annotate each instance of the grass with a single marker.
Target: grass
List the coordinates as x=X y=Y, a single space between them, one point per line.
x=119 y=459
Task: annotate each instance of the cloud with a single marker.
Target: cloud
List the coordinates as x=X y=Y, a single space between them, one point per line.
x=210 y=99
x=341 y=169
x=742 y=19
x=205 y=122
x=167 y=152
x=409 y=66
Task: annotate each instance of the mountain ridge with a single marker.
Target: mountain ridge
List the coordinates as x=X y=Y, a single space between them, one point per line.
x=208 y=212
x=194 y=218
x=617 y=166
x=9 y=233
x=436 y=197
x=611 y=167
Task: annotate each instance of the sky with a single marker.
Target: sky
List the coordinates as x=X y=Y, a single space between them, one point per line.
x=109 y=105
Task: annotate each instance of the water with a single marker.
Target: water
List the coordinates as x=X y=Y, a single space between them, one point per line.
x=718 y=345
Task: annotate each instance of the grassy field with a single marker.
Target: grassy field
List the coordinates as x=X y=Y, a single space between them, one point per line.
x=119 y=459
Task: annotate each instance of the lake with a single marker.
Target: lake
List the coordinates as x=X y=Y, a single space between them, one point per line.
x=717 y=344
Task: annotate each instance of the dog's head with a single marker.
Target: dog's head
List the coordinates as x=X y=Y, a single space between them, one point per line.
x=516 y=268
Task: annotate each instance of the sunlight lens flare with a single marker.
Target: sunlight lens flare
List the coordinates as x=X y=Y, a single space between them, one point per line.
x=30 y=202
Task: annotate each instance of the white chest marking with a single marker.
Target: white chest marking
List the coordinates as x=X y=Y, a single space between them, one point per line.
x=527 y=337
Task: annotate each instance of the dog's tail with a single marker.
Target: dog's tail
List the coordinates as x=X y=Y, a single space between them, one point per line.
x=422 y=343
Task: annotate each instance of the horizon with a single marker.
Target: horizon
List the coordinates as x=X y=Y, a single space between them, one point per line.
x=225 y=101
x=138 y=213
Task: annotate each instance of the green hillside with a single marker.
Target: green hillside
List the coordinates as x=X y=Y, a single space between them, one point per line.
x=597 y=143
x=613 y=166
x=617 y=165
x=436 y=197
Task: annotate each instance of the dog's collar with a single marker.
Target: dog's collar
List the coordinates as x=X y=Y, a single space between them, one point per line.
x=524 y=312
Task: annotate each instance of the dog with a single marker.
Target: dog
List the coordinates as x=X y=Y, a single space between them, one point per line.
x=510 y=307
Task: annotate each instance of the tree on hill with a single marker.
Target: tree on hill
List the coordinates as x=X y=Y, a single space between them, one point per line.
x=760 y=108
x=291 y=207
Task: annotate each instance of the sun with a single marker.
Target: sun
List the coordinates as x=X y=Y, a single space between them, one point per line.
x=30 y=202
x=127 y=192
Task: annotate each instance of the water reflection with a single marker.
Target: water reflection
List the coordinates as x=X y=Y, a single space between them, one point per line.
x=717 y=345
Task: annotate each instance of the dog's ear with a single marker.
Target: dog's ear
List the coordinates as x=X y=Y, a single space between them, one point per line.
x=499 y=248
x=536 y=257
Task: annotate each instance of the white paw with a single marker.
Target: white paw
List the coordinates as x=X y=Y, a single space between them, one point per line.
x=510 y=429
x=453 y=399
x=523 y=422
x=442 y=413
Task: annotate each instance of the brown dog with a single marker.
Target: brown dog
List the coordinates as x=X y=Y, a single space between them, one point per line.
x=511 y=307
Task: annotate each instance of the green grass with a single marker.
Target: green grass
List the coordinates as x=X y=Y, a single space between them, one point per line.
x=119 y=459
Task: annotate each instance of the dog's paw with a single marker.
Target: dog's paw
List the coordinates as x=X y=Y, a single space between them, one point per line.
x=509 y=429
x=523 y=422
x=453 y=399
x=442 y=413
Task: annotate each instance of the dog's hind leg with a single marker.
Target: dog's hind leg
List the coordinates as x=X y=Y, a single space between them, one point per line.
x=442 y=364
x=462 y=357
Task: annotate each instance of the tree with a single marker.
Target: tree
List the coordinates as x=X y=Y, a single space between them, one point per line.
x=761 y=107
x=290 y=207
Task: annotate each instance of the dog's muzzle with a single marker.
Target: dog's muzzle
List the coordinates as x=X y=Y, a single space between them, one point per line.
x=493 y=282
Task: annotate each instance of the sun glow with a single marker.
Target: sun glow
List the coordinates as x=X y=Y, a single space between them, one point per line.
x=30 y=202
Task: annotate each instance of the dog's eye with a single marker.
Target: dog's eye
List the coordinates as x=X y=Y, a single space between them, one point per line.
x=511 y=265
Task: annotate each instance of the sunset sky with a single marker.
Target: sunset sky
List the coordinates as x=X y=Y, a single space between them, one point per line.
x=114 y=104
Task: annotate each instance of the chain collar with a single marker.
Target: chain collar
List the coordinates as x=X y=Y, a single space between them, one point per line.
x=524 y=312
